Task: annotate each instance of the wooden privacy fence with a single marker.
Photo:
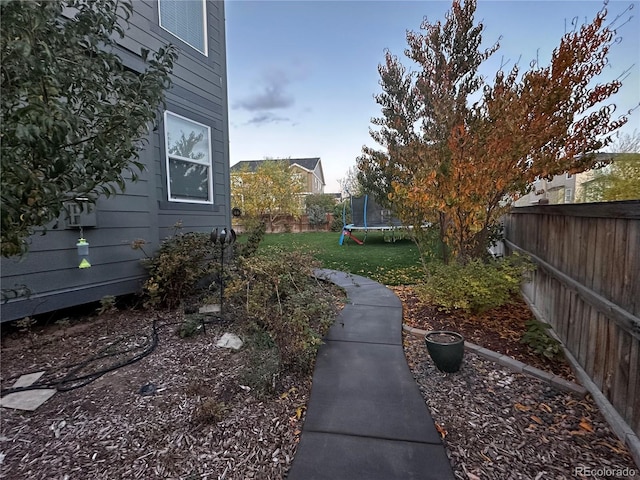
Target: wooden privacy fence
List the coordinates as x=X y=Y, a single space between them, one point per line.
x=587 y=286
x=290 y=224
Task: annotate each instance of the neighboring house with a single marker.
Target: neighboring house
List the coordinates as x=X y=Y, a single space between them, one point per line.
x=173 y=189
x=565 y=188
x=337 y=197
x=309 y=169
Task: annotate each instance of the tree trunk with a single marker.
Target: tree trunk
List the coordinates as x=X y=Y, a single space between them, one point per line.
x=442 y=221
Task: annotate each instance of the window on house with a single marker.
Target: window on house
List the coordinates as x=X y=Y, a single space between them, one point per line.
x=568 y=195
x=188 y=150
x=187 y=20
x=298 y=177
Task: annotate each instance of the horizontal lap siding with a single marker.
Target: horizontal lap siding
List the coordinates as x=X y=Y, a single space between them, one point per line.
x=199 y=93
x=142 y=213
x=598 y=246
x=50 y=268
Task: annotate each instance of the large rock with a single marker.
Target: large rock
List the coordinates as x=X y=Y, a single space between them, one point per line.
x=230 y=340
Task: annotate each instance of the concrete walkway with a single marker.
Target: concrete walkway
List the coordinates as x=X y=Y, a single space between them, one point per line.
x=366 y=417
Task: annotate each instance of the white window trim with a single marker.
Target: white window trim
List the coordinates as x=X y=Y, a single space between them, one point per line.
x=204 y=29
x=178 y=157
x=568 y=194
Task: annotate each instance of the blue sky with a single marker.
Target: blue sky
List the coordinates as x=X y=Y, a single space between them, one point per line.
x=302 y=74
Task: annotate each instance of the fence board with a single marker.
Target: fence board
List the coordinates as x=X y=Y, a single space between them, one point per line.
x=632 y=411
x=598 y=264
x=587 y=286
x=575 y=248
x=622 y=367
x=619 y=264
x=599 y=352
x=592 y=341
x=568 y=313
x=591 y=258
x=629 y=298
x=578 y=324
x=610 y=359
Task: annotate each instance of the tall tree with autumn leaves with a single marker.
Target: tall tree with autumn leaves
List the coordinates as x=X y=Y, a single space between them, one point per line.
x=456 y=163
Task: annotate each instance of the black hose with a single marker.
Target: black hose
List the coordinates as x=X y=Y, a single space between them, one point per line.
x=62 y=385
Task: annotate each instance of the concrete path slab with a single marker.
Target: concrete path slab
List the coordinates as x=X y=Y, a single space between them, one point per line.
x=367 y=390
x=372 y=294
x=324 y=456
x=369 y=324
x=343 y=279
x=366 y=418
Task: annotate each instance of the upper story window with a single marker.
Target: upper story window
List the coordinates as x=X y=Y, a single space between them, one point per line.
x=187 y=20
x=188 y=150
x=568 y=195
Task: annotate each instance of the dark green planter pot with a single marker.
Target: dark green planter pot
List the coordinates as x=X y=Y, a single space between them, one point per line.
x=446 y=349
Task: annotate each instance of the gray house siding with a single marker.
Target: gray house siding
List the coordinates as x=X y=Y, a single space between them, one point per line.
x=199 y=92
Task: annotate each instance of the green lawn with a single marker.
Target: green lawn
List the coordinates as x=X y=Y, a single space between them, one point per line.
x=391 y=263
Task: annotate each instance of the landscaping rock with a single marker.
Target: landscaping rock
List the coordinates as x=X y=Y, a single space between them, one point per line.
x=230 y=340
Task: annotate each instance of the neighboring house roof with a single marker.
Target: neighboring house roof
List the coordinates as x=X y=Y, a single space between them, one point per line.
x=308 y=164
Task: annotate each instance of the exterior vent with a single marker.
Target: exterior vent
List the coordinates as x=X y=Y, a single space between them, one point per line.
x=80 y=216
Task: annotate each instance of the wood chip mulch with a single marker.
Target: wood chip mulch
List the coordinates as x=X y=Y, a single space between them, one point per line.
x=499 y=329
x=497 y=424
x=201 y=422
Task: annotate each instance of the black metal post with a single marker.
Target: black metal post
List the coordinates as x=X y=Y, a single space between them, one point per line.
x=223 y=238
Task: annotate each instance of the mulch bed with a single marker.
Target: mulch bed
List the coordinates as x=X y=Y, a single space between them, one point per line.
x=200 y=422
x=497 y=424
x=502 y=425
x=499 y=329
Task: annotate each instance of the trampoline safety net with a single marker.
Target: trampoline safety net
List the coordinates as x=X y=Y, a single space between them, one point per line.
x=366 y=213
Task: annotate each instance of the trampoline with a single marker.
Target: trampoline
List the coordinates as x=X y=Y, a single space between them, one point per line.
x=367 y=215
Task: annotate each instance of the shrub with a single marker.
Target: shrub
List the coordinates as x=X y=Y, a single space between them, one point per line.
x=246 y=248
x=262 y=373
x=209 y=412
x=191 y=325
x=107 y=305
x=476 y=286
x=189 y=263
x=538 y=338
x=324 y=201
x=317 y=215
x=275 y=290
x=178 y=268
x=338 y=210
